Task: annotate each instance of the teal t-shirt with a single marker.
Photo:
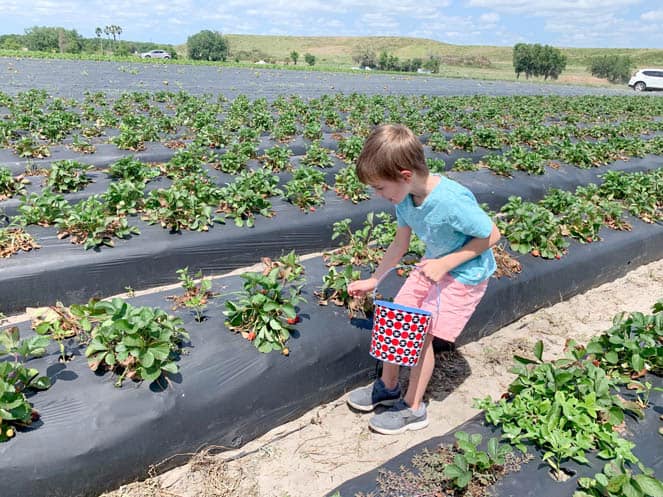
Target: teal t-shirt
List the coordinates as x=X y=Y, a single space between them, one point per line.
x=447 y=219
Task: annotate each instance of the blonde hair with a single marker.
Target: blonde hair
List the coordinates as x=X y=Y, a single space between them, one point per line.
x=388 y=150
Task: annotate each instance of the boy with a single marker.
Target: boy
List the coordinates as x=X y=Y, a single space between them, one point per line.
x=449 y=281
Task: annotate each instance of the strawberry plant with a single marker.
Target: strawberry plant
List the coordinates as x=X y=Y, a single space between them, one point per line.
x=138 y=343
x=89 y=223
x=632 y=346
x=463 y=141
x=248 y=195
x=565 y=407
x=265 y=312
x=129 y=168
x=531 y=228
x=11 y=185
x=312 y=130
x=42 y=209
x=616 y=480
x=579 y=218
x=348 y=187
x=317 y=156
x=498 y=164
x=488 y=138
x=349 y=148
x=195 y=295
x=187 y=204
x=335 y=289
x=68 y=176
x=233 y=161
x=82 y=145
x=28 y=147
x=526 y=160
x=135 y=130
x=188 y=161
x=124 y=197
x=16 y=379
x=436 y=166
x=611 y=210
x=13 y=238
x=289 y=266
x=464 y=164
x=58 y=323
x=438 y=143
x=306 y=189
x=470 y=462
x=277 y=159
x=285 y=128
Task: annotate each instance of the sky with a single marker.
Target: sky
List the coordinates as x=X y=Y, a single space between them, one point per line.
x=562 y=23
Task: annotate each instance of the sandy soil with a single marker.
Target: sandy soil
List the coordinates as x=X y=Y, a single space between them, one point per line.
x=310 y=456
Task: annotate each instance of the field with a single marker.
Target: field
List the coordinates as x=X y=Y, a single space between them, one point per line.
x=236 y=189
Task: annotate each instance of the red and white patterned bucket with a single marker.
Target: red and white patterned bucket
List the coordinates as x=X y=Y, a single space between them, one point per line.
x=398 y=332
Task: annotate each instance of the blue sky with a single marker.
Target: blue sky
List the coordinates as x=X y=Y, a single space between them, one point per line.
x=564 y=23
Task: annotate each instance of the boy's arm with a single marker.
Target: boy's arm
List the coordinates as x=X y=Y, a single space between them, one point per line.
x=435 y=269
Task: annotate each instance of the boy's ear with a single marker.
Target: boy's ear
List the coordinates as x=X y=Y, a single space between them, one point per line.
x=406 y=175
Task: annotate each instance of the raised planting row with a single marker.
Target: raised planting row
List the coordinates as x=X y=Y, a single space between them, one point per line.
x=200 y=345
x=587 y=424
x=584 y=131
x=190 y=208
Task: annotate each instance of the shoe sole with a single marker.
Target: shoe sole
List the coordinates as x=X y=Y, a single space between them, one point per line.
x=364 y=408
x=419 y=425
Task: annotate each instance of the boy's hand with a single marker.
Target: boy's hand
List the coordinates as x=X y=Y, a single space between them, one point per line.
x=433 y=269
x=362 y=287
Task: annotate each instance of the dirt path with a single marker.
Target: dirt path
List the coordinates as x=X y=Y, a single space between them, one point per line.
x=312 y=455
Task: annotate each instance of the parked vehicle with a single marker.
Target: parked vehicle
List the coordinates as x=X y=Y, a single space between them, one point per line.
x=647 y=79
x=155 y=54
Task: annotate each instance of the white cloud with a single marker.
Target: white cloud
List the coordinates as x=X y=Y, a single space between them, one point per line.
x=489 y=18
x=546 y=8
x=653 y=15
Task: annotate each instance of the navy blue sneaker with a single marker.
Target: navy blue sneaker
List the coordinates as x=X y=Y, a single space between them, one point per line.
x=368 y=398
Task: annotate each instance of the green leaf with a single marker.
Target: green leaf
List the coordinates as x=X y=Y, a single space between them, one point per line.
x=170 y=367
x=650 y=486
x=147 y=359
x=538 y=350
x=630 y=491
x=452 y=471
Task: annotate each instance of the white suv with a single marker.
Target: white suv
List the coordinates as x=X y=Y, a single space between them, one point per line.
x=155 y=54
x=647 y=79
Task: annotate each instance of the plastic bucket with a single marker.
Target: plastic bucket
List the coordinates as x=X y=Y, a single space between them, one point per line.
x=398 y=332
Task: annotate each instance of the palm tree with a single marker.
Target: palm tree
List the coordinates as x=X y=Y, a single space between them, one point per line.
x=98 y=31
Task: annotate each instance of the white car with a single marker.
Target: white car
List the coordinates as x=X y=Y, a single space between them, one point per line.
x=647 y=79
x=155 y=54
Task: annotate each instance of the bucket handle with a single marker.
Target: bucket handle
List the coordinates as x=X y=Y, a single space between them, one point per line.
x=401 y=266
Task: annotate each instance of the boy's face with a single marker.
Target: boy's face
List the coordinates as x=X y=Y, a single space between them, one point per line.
x=393 y=191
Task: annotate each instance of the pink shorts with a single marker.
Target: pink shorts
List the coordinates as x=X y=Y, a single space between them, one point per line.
x=456 y=305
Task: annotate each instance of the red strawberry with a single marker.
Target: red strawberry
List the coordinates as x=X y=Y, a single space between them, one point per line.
x=558 y=256
x=251 y=336
x=312 y=209
x=535 y=252
x=294 y=320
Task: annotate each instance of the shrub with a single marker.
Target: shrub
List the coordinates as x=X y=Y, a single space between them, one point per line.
x=207 y=45
x=615 y=68
x=537 y=60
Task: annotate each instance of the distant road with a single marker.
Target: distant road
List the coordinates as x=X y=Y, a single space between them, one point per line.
x=71 y=78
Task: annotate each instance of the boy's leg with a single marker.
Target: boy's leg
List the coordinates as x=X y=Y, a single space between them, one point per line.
x=420 y=375
x=412 y=293
x=386 y=390
x=389 y=375
x=452 y=303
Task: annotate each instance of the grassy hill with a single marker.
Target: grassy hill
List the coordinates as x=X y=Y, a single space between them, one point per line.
x=475 y=61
